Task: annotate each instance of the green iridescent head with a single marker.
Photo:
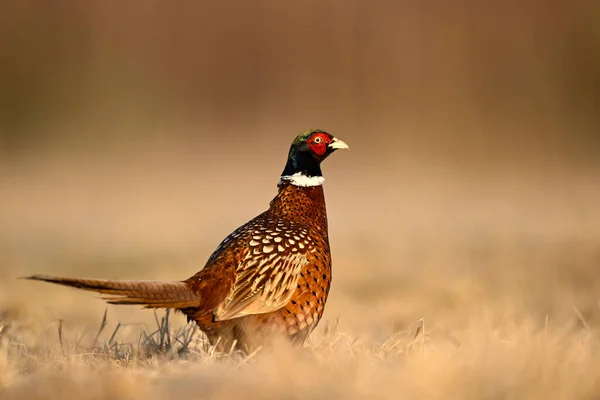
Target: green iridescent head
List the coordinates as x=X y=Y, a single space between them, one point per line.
x=308 y=150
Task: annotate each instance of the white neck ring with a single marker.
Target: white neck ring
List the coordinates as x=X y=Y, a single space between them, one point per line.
x=299 y=179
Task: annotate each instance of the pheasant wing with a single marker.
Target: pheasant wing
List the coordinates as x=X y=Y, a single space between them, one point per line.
x=268 y=272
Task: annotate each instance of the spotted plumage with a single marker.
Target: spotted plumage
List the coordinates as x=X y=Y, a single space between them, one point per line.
x=271 y=276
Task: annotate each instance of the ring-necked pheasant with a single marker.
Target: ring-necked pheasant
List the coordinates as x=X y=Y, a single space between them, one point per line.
x=270 y=276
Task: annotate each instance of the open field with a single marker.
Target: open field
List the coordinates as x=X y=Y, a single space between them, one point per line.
x=477 y=288
x=464 y=220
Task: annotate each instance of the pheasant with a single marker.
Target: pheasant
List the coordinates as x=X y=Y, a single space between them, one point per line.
x=270 y=277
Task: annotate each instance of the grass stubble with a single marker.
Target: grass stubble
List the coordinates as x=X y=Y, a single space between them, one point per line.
x=499 y=352
x=474 y=298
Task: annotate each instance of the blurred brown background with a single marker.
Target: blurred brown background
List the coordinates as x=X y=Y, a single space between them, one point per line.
x=135 y=135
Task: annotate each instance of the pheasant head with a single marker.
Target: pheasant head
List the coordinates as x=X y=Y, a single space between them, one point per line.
x=308 y=150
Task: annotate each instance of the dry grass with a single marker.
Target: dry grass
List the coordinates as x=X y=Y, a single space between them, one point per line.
x=479 y=295
x=515 y=360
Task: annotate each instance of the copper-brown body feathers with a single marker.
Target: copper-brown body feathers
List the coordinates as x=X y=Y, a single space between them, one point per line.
x=270 y=276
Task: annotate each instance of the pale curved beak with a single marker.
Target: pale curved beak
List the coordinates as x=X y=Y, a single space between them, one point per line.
x=337 y=144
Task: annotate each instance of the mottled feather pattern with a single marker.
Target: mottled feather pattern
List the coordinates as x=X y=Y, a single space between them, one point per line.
x=273 y=252
x=281 y=269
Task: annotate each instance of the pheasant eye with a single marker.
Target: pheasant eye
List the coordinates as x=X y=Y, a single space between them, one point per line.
x=318 y=140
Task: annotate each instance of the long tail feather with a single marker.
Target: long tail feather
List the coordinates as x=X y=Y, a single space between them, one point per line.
x=151 y=294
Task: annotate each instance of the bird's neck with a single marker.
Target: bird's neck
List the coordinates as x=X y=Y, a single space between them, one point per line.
x=302 y=169
x=301 y=203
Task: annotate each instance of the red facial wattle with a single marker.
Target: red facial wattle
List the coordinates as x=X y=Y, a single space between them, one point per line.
x=319 y=142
